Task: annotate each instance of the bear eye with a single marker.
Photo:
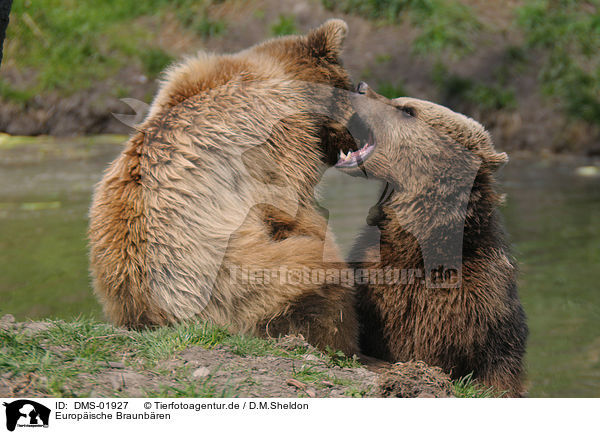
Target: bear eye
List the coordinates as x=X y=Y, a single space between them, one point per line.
x=407 y=110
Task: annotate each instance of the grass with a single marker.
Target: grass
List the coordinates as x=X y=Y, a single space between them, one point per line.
x=70 y=44
x=196 y=16
x=41 y=355
x=383 y=58
x=466 y=387
x=209 y=28
x=566 y=35
x=54 y=365
x=310 y=375
x=455 y=88
x=54 y=359
x=67 y=46
x=563 y=34
x=284 y=25
x=155 y=60
x=187 y=389
x=318 y=379
x=243 y=345
x=338 y=358
x=391 y=90
x=443 y=24
x=10 y=93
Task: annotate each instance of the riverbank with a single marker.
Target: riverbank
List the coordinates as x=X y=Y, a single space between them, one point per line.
x=494 y=61
x=85 y=358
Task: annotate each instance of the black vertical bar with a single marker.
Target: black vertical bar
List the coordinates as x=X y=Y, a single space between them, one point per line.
x=4 y=12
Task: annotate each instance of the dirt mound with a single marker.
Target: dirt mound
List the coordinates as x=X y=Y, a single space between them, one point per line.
x=415 y=380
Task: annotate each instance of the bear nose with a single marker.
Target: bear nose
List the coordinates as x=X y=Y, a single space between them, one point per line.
x=362 y=87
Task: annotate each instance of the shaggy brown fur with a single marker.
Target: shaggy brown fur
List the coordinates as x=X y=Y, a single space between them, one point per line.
x=219 y=176
x=439 y=165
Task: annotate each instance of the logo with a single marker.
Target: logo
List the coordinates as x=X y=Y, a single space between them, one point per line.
x=26 y=413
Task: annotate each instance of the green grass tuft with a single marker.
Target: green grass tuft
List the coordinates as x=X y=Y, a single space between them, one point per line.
x=284 y=25
x=196 y=17
x=391 y=90
x=192 y=389
x=210 y=28
x=155 y=61
x=383 y=58
x=18 y=96
x=338 y=358
x=356 y=392
x=308 y=374
x=466 y=387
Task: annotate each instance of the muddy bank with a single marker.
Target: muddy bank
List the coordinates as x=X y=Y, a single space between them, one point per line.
x=238 y=367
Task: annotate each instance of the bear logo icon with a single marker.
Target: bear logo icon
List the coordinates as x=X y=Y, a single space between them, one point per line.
x=25 y=412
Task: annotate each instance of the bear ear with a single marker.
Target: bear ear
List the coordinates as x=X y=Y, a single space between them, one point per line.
x=491 y=159
x=326 y=40
x=497 y=160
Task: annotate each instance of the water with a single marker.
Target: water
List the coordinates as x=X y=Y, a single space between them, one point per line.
x=554 y=219
x=552 y=214
x=45 y=189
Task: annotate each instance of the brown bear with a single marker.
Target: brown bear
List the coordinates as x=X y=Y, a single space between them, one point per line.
x=444 y=289
x=210 y=205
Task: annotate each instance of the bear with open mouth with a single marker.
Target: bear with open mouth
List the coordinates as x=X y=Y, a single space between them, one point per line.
x=218 y=179
x=458 y=308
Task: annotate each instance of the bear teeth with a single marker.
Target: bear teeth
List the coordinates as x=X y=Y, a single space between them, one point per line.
x=344 y=157
x=351 y=154
x=353 y=158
